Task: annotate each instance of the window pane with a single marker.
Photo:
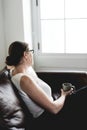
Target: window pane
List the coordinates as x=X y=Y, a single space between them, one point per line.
x=52 y=32
x=76 y=8
x=63 y=23
x=52 y=9
x=76 y=36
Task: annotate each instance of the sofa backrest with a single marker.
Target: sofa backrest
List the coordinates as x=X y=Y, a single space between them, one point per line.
x=13 y=112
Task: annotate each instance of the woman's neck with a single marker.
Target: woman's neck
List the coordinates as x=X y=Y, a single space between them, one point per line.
x=20 y=69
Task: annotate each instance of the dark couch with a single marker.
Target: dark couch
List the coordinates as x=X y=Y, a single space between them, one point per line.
x=74 y=113
x=14 y=115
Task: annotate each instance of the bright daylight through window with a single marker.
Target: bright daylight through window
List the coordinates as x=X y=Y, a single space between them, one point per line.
x=60 y=34
x=63 y=23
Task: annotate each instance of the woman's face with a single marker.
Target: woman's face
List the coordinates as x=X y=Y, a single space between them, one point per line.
x=29 y=58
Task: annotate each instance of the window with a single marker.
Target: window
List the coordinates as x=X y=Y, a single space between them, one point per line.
x=60 y=34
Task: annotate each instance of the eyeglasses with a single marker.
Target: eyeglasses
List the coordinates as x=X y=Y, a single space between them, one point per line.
x=30 y=50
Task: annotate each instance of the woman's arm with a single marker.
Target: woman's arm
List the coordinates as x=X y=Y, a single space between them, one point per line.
x=31 y=88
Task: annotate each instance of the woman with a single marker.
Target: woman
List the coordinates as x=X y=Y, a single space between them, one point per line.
x=36 y=93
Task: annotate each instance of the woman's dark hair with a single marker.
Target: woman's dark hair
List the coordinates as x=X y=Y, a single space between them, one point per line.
x=16 y=51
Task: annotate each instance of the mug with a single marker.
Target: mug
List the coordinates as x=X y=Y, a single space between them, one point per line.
x=67 y=86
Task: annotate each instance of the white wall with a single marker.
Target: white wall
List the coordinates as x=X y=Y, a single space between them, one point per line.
x=2 y=40
x=27 y=20
x=13 y=26
x=13 y=21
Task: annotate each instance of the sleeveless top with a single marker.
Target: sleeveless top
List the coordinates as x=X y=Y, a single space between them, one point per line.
x=34 y=109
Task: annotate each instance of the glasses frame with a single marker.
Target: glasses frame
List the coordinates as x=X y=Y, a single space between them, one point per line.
x=31 y=51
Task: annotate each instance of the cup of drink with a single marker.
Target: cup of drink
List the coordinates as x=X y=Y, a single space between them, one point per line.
x=67 y=86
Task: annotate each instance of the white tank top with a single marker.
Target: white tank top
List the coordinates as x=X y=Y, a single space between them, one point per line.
x=34 y=109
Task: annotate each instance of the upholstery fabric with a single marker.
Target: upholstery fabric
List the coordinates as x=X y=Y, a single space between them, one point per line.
x=11 y=113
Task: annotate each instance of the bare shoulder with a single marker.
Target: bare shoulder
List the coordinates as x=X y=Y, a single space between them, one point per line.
x=25 y=80
x=28 y=85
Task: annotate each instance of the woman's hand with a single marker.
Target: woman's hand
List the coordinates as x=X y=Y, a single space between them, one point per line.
x=66 y=93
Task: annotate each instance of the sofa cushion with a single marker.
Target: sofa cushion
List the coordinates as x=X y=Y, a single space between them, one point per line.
x=11 y=113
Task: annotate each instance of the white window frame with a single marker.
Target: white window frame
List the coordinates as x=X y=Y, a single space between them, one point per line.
x=53 y=62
